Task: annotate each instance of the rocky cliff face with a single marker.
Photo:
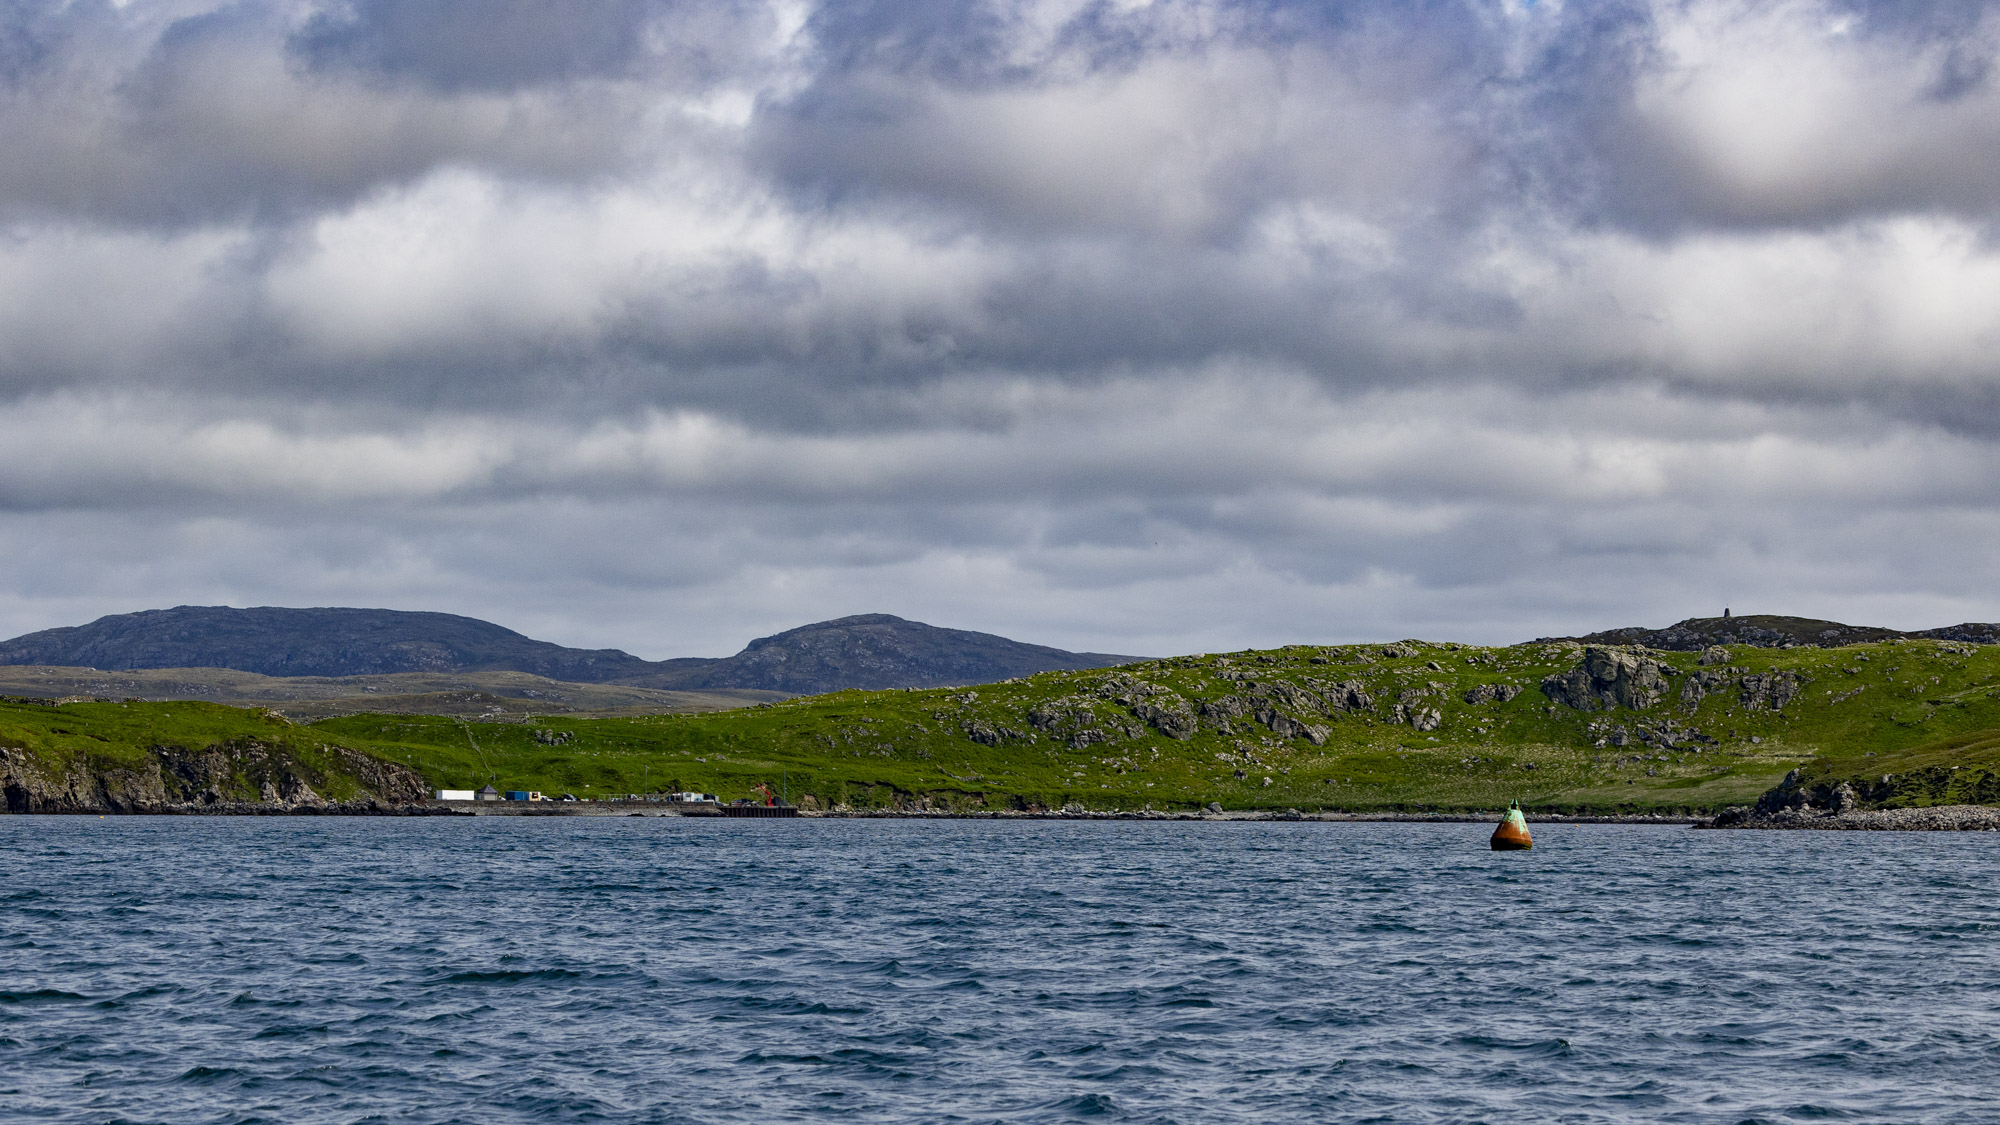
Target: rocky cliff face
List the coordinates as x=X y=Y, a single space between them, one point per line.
x=1609 y=678
x=241 y=776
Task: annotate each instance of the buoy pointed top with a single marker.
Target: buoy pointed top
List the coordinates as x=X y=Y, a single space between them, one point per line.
x=1512 y=835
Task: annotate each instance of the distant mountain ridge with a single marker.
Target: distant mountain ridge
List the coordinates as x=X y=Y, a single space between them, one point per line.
x=866 y=651
x=1768 y=631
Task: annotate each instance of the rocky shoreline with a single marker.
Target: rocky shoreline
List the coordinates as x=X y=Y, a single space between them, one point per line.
x=1801 y=801
x=1938 y=818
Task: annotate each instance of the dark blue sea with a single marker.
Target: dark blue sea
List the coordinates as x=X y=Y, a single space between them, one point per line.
x=625 y=970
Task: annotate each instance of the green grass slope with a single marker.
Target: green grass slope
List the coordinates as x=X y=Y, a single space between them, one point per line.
x=1380 y=727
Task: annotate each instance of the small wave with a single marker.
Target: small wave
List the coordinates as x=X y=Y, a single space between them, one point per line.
x=40 y=996
x=1814 y=1112
x=1084 y=1105
x=246 y=1000
x=292 y=1031
x=1542 y=1048
x=510 y=976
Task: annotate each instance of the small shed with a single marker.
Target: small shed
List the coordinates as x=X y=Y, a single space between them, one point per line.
x=489 y=794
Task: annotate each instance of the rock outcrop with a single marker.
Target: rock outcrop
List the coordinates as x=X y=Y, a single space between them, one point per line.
x=1769 y=690
x=1492 y=693
x=1608 y=678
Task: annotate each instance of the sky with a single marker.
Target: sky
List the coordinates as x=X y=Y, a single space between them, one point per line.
x=1119 y=326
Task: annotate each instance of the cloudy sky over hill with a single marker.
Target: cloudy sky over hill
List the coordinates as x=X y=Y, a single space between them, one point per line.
x=1123 y=326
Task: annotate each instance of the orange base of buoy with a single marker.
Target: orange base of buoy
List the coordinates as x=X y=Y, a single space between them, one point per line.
x=1512 y=835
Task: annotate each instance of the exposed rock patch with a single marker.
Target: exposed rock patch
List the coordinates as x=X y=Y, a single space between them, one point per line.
x=1492 y=693
x=1609 y=678
x=1770 y=690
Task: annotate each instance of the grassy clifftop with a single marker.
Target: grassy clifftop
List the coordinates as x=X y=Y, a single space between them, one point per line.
x=1412 y=725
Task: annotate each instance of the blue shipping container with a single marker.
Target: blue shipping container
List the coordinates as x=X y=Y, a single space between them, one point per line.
x=517 y=794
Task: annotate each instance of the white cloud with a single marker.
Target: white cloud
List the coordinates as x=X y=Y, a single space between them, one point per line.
x=1786 y=110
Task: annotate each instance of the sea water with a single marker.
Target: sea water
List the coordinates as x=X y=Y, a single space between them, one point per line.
x=657 y=970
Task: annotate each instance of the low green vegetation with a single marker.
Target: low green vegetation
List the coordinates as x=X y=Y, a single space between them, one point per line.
x=1411 y=726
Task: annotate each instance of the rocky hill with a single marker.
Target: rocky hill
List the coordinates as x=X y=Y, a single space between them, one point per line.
x=273 y=641
x=1765 y=631
x=869 y=651
x=877 y=651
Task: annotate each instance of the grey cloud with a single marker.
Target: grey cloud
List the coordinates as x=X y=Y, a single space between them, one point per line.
x=32 y=34
x=1173 y=120
x=457 y=45
x=235 y=115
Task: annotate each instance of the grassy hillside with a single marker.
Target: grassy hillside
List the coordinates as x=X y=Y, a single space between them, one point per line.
x=1404 y=726
x=1379 y=727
